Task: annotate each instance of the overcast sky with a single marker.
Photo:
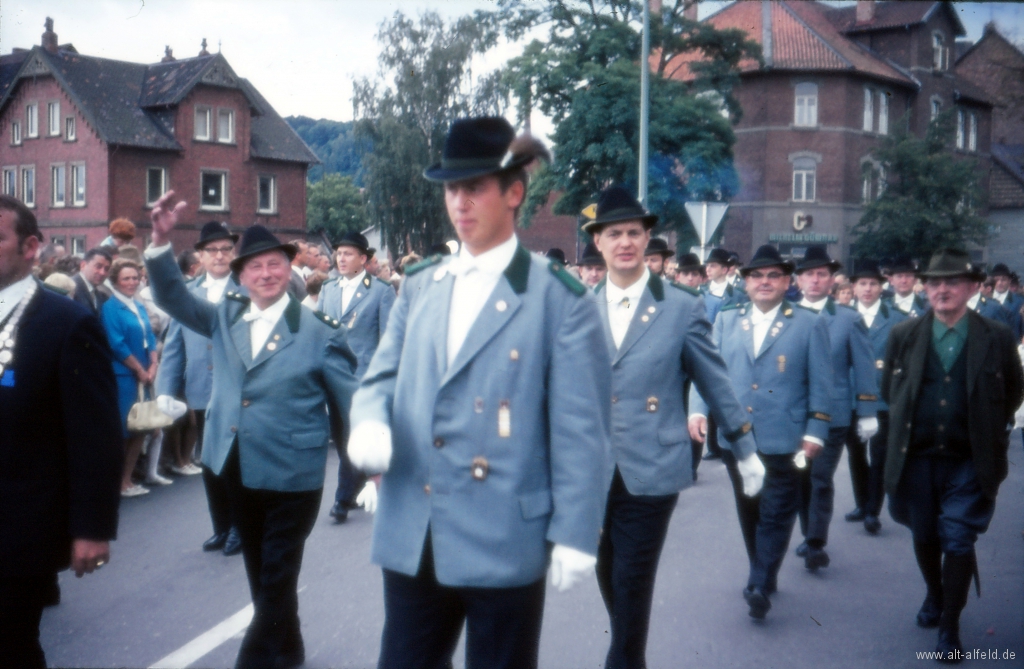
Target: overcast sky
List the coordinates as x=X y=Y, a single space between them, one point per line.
x=301 y=54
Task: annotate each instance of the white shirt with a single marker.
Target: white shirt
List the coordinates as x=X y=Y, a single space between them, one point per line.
x=215 y=287
x=905 y=303
x=348 y=288
x=817 y=306
x=262 y=322
x=12 y=294
x=623 y=303
x=972 y=303
x=761 y=322
x=1000 y=297
x=869 y=313
x=717 y=289
x=475 y=280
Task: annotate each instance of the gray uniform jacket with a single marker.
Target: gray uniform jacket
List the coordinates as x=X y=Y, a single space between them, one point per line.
x=503 y=451
x=365 y=318
x=854 y=372
x=274 y=405
x=786 y=386
x=878 y=335
x=668 y=342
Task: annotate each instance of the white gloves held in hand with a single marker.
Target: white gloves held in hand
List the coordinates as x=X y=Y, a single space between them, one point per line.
x=867 y=428
x=170 y=406
x=569 y=566
x=752 y=471
x=367 y=498
x=369 y=446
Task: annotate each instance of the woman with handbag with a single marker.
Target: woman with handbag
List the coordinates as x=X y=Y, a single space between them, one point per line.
x=135 y=361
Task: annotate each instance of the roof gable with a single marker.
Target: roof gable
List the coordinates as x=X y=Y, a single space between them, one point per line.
x=167 y=84
x=889 y=15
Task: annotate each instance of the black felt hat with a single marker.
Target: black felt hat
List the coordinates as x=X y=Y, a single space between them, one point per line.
x=817 y=256
x=658 y=246
x=356 y=241
x=591 y=256
x=256 y=240
x=1000 y=269
x=558 y=255
x=689 y=262
x=439 y=250
x=476 y=147
x=767 y=256
x=949 y=263
x=617 y=205
x=213 y=231
x=720 y=256
x=902 y=264
x=866 y=269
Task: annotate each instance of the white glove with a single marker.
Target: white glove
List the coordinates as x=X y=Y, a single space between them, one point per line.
x=367 y=498
x=170 y=406
x=369 y=446
x=752 y=470
x=800 y=459
x=867 y=428
x=568 y=566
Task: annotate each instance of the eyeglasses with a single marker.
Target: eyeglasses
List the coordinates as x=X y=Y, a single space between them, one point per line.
x=218 y=250
x=771 y=276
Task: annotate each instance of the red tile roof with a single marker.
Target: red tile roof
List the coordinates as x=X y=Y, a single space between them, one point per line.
x=890 y=15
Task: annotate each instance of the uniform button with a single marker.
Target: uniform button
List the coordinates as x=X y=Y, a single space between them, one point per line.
x=754 y=386
x=438 y=442
x=941 y=446
x=908 y=425
x=750 y=409
x=942 y=403
x=234 y=429
x=941 y=428
x=426 y=488
x=615 y=399
x=904 y=449
x=246 y=403
x=948 y=379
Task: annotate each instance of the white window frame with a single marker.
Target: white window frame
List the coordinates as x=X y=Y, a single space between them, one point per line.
x=869 y=110
x=32 y=120
x=163 y=184
x=273 y=194
x=223 y=174
x=940 y=52
x=804 y=173
x=78 y=184
x=865 y=186
x=805 y=105
x=53 y=118
x=972 y=132
x=15 y=133
x=935 y=108
x=9 y=177
x=883 y=113
x=960 y=128
x=230 y=114
x=78 y=245
x=70 y=129
x=58 y=185
x=882 y=182
x=208 y=112
x=28 y=185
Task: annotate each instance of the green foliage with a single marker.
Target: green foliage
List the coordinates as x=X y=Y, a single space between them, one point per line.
x=930 y=197
x=334 y=144
x=425 y=82
x=585 y=75
x=335 y=205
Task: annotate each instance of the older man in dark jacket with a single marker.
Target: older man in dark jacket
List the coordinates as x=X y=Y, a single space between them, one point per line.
x=953 y=381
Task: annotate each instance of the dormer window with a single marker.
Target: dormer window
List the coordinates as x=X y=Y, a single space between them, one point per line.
x=940 y=52
x=202 y=125
x=226 y=126
x=806 y=107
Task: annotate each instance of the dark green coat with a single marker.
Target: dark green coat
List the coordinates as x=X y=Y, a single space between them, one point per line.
x=995 y=388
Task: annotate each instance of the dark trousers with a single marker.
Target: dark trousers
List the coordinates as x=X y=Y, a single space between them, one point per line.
x=876 y=472
x=627 y=561
x=350 y=479
x=817 y=490
x=423 y=620
x=748 y=509
x=712 y=438
x=940 y=500
x=21 y=608
x=217 y=498
x=273 y=527
x=780 y=500
x=860 y=470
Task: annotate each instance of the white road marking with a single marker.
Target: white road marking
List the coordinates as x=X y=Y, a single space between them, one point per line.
x=205 y=642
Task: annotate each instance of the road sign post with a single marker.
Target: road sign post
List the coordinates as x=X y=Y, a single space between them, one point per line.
x=706 y=217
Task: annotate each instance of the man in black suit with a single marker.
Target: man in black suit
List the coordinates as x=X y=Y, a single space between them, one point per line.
x=89 y=290
x=60 y=442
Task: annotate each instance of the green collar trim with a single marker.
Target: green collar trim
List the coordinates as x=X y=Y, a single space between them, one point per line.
x=518 y=271
x=657 y=288
x=292 y=313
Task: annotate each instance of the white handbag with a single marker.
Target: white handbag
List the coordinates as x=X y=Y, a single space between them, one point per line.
x=145 y=416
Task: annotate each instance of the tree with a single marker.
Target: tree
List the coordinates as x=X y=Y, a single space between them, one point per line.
x=586 y=76
x=335 y=205
x=425 y=82
x=930 y=198
x=333 y=143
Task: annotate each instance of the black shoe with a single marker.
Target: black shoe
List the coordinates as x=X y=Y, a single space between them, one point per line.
x=931 y=611
x=801 y=550
x=216 y=542
x=872 y=524
x=949 y=649
x=855 y=516
x=233 y=544
x=339 y=513
x=758 y=602
x=816 y=558
x=712 y=456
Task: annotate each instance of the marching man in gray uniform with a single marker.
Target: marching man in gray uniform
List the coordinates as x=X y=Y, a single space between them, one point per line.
x=659 y=339
x=777 y=355
x=277 y=369
x=487 y=404
x=362 y=304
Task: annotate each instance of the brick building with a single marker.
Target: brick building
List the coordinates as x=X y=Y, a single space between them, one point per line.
x=84 y=140
x=834 y=82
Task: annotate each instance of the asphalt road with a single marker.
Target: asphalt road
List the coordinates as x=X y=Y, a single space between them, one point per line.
x=160 y=593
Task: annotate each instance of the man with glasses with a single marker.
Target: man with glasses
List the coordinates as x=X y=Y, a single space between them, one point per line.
x=953 y=381
x=777 y=355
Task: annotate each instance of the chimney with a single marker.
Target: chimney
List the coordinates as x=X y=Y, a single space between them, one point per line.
x=49 y=37
x=204 y=52
x=168 y=55
x=690 y=11
x=865 y=11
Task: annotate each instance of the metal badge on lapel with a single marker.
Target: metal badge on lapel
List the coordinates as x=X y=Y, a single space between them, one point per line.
x=501 y=305
x=782 y=364
x=504 y=419
x=513 y=355
x=880 y=364
x=480 y=468
x=746 y=324
x=352 y=321
x=271 y=346
x=652 y=404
